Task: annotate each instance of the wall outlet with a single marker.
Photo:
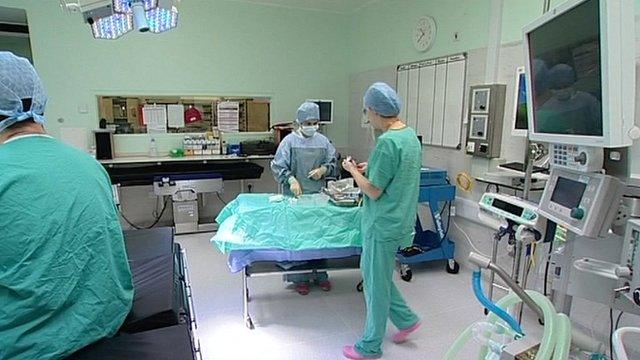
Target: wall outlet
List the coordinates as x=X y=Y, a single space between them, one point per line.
x=456 y=36
x=453 y=210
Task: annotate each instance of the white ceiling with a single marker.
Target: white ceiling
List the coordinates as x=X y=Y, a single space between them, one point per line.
x=334 y=6
x=12 y=15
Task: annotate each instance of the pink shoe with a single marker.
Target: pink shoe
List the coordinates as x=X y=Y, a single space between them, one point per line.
x=325 y=285
x=350 y=352
x=402 y=335
x=302 y=288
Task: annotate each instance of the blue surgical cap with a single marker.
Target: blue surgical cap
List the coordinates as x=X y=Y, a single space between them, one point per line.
x=561 y=76
x=541 y=75
x=18 y=82
x=382 y=99
x=308 y=111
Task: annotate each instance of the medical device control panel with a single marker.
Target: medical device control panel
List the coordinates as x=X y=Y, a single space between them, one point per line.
x=486 y=113
x=631 y=260
x=583 y=203
x=510 y=207
x=580 y=158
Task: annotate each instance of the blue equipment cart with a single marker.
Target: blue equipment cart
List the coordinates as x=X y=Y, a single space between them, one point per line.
x=428 y=245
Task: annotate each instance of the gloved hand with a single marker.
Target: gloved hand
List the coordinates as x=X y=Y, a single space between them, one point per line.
x=349 y=165
x=295 y=187
x=318 y=173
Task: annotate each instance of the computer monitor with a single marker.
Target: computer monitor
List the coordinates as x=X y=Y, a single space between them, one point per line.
x=519 y=123
x=580 y=74
x=326 y=110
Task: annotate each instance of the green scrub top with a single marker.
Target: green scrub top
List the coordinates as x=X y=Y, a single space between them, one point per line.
x=394 y=168
x=65 y=281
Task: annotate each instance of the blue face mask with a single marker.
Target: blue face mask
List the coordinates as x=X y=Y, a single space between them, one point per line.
x=309 y=130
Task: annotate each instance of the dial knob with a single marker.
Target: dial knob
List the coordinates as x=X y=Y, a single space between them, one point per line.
x=577 y=213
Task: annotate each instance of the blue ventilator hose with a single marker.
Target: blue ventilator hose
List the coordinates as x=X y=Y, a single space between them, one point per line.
x=477 y=289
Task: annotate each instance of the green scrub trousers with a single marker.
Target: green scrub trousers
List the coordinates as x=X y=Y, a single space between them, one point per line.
x=381 y=295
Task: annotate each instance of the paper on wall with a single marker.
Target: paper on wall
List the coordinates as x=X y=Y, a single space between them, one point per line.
x=175 y=115
x=229 y=116
x=155 y=116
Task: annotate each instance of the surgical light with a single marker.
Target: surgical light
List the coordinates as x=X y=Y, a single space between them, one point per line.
x=161 y=20
x=110 y=19
x=112 y=27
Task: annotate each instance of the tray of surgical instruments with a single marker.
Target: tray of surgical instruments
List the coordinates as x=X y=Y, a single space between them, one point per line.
x=343 y=193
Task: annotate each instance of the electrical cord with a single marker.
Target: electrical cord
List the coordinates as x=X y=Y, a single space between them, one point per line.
x=611 y=332
x=220 y=198
x=475 y=249
x=464 y=182
x=618 y=320
x=155 y=222
x=613 y=328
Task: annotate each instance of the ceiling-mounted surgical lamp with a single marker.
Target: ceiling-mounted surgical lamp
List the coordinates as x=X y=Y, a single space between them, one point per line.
x=110 y=19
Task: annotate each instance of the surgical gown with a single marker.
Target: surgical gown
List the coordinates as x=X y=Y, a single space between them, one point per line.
x=388 y=224
x=64 y=277
x=298 y=155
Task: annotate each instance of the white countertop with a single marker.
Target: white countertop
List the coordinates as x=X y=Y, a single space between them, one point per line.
x=162 y=159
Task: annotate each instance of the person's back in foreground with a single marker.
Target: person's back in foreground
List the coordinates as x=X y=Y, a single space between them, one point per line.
x=64 y=277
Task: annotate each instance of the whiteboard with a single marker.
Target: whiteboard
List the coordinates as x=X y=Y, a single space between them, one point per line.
x=412 y=97
x=454 y=104
x=425 y=103
x=433 y=94
x=438 y=104
x=403 y=85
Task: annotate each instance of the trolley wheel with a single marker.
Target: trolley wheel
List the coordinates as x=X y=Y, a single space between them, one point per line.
x=486 y=311
x=452 y=267
x=359 y=287
x=406 y=275
x=249 y=323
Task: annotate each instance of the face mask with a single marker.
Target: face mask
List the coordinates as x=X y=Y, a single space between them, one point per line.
x=309 y=130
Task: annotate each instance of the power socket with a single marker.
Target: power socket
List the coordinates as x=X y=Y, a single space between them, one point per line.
x=453 y=210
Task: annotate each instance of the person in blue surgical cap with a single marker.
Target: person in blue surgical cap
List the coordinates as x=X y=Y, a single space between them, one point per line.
x=64 y=276
x=390 y=181
x=303 y=159
x=569 y=110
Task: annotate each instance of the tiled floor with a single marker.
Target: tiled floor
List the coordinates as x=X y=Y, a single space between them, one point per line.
x=317 y=326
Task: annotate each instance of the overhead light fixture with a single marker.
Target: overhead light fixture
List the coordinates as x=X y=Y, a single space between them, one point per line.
x=110 y=19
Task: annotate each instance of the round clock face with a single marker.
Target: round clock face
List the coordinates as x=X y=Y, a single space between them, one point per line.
x=424 y=34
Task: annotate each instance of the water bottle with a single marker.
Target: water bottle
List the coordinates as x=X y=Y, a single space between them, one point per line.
x=153 y=148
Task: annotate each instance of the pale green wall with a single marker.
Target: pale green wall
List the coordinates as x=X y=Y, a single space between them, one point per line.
x=380 y=34
x=220 y=47
x=17 y=45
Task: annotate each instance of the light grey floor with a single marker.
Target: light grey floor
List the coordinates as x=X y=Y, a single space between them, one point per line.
x=317 y=326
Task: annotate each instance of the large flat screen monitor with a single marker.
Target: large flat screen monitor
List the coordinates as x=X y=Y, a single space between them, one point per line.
x=580 y=73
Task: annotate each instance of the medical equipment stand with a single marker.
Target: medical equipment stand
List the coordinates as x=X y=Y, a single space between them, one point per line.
x=434 y=189
x=521 y=237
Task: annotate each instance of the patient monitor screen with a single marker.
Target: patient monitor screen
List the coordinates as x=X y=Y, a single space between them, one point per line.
x=565 y=72
x=568 y=193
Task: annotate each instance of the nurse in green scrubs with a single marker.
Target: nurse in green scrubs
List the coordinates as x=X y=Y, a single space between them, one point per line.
x=390 y=182
x=64 y=276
